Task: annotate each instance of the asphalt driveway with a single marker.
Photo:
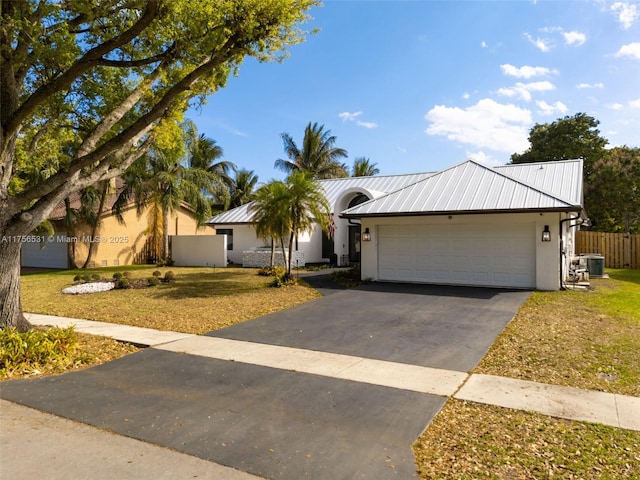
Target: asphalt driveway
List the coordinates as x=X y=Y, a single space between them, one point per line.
x=283 y=424
x=436 y=326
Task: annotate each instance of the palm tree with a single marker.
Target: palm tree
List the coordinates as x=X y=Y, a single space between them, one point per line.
x=269 y=212
x=284 y=210
x=307 y=206
x=163 y=179
x=362 y=167
x=242 y=188
x=203 y=153
x=318 y=155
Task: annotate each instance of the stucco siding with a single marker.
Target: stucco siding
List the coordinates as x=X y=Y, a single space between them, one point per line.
x=118 y=244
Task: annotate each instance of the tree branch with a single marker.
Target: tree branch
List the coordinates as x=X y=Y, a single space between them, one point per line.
x=116 y=115
x=90 y=59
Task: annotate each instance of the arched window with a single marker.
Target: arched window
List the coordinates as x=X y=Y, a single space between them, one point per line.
x=357 y=200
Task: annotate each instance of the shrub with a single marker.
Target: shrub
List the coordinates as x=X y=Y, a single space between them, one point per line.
x=86 y=277
x=170 y=263
x=169 y=276
x=275 y=271
x=117 y=276
x=157 y=274
x=284 y=280
x=77 y=278
x=95 y=276
x=153 y=281
x=265 y=271
x=123 y=283
x=126 y=274
x=36 y=350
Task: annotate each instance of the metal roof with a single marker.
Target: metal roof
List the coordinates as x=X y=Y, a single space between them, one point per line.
x=467 y=187
x=333 y=188
x=562 y=179
x=471 y=187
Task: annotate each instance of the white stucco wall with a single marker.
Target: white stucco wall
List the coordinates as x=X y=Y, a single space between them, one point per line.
x=547 y=254
x=199 y=250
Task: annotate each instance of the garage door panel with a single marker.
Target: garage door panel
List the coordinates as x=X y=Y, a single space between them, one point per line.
x=492 y=255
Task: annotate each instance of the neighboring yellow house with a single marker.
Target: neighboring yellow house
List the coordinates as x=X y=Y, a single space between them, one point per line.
x=114 y=243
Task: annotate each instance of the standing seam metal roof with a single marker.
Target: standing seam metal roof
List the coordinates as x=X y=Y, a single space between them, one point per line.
x=473 y=187
x=468 y=186
x=333 y=189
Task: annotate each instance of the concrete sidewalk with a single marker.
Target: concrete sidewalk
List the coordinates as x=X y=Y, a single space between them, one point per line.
x=563 y=402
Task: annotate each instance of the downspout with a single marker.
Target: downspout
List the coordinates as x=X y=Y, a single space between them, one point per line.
x=580 y=222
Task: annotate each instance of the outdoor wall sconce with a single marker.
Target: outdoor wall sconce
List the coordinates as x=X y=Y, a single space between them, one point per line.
x=546 y=234
x=366 y=236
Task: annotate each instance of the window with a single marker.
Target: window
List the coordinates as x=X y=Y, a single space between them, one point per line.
x=229 y=233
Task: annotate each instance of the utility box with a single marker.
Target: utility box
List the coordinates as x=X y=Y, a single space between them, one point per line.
x=595 y=264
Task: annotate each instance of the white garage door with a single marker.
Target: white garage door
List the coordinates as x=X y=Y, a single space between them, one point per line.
x=53 y=255
x=487 y=255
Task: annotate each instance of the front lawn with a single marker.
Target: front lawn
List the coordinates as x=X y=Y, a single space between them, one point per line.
x=585 y=339
x=198 y=301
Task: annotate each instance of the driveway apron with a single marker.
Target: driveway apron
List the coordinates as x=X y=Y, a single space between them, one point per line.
x=282 y=424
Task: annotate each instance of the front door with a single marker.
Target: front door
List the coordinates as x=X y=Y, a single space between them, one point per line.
x=354 y=243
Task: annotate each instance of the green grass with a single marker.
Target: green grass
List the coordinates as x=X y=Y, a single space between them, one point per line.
x=199 y=300
x=585 y=339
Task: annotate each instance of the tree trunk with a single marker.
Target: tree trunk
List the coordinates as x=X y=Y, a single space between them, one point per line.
x=165 y=234
x=71 y=231
x=94 y=228
x=10 y=306
x=273 y=252
x=290 y=254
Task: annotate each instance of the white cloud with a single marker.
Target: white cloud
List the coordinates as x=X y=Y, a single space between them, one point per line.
x=487 y=124
x=523 y=90
x=615 y=106
x=629 y=50
x=626 y=12
x=483 y=158
x=589 y=85
x=547 y=109
x=542 y=44
x=483 y=44
x=349 y=116
x=635 y=103
x=576 y=38
x=525 y=71
x=353 y=117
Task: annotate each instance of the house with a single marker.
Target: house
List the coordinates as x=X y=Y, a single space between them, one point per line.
x=114 y=243
x=509 y=226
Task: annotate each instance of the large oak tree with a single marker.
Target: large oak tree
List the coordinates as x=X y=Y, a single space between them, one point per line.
x=86 y=87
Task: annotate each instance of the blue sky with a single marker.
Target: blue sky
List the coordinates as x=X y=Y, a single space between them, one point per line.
x=418 y=86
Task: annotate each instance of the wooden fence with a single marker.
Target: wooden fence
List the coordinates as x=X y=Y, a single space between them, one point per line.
x=620 y=250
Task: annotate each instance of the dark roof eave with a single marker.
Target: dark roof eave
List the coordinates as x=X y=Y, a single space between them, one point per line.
x=213 y=224
x=570 y=208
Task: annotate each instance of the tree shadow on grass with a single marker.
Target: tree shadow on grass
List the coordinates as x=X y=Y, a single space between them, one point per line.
x=208 y=285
